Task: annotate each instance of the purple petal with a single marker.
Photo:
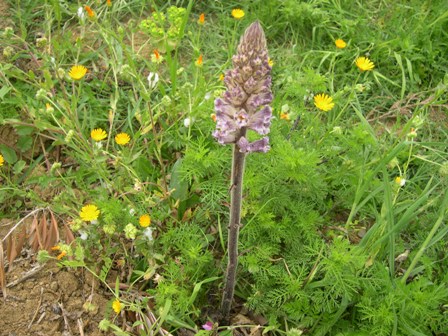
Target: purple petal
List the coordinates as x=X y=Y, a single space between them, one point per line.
x=208 y=326
x=260 y=99
x=261 y=121
x=224 y=137
x=221 y=106
x=236 y=96
x=261 y=145
x=243 y=144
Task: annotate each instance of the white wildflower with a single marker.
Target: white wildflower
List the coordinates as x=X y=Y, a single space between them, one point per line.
x=148 y=233
x=83 y=235
x=153 y=79
x=81 y=13
x=187 y=122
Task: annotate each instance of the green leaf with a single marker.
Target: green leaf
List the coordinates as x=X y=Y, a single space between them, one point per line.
x=8 y=153
x=179 y=185
x=24 y=143
x=144 y=168
x=18 y=167
x=24 y=130
x=197 y=288
x=3 y=91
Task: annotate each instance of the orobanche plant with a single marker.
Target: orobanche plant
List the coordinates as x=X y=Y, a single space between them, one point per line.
x=242 y=107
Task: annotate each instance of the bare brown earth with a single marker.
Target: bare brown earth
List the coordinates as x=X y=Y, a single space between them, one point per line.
x=50 y=302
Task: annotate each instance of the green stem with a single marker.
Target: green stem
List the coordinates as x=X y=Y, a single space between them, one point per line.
x=428 y=239
x=234 y=228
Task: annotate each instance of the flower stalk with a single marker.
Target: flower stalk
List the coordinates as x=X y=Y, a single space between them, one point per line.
x=243 y=107
x=234 y=229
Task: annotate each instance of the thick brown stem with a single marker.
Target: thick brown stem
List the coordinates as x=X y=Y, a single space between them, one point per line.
x=234 y=228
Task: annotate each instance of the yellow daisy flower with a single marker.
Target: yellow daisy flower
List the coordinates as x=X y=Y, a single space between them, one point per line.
x=237 y=13
x=221 y=77
x=2 y=160
x=323 y=102
x=117 y=306
x=364 y=64
x=213 y=116
x=340 y=43
x=145 y=220
x=89 y=213
x=98 y=134
x=270 y=62
x=122 y=138
x=77 y=72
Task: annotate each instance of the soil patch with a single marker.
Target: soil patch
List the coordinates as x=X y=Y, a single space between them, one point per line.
x=46 y=300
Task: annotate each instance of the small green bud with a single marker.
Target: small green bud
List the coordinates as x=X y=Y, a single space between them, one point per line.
x=41 y=94
x=76 y=224
x=61 y=73
x=8 y=51
x=104 y=325
x=109 y=229
x=285 y=108
x=126 y=72
x=418 y=121
x=217 y=93
x=55 y=166
x=393 y=163
x=90 y=307
x=43 y=256
x=49 y=108
x=41 y=42
x=8 y=32
x=360 y=87
x=180 y=70
x=69 y=136
x=166 y=101
x=337 y=130
x=66 y=248
x=412 y=134
x=187 y=86
x=444 y=169
x=130 y=231
x=294 y=332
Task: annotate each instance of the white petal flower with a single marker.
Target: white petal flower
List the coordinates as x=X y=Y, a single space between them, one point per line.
x=153 y=79
x=80 y=12
x=187 y=122
x=83 y=235
x=148 y=233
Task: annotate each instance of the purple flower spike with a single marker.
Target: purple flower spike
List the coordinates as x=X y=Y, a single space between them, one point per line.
x=245 y=104
x=208 y=326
